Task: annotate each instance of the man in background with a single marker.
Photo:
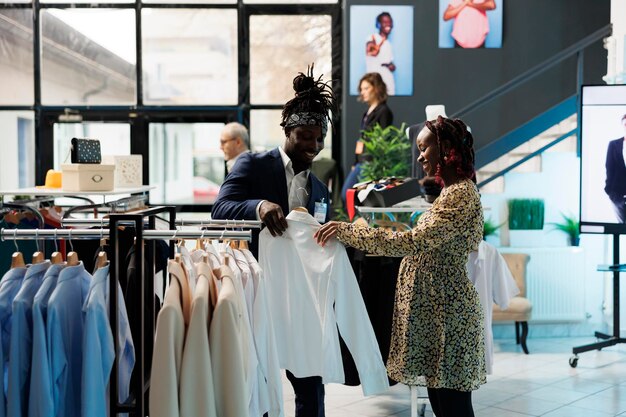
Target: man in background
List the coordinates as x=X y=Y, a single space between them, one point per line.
x=234 y=141
x=615 y=186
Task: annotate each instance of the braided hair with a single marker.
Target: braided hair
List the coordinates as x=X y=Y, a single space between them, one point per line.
x=312 y=96
x=460 y=156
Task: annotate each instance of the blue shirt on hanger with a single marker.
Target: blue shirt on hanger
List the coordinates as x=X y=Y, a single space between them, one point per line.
x=21 y=340
x=9 y=286
x=98 y=352
x=64 y=336
x=40 y=403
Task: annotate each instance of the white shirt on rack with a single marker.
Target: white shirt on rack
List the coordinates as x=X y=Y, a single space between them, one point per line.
x=490 y=274
x=305 y=281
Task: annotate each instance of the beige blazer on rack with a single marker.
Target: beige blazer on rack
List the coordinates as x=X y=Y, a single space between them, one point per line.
x=227 y=350
x=168 y=346
x=197 y=397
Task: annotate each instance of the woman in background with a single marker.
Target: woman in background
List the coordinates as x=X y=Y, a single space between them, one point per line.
x=373 y=92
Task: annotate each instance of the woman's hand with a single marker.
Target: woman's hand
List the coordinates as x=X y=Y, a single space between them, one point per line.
x=326 y=232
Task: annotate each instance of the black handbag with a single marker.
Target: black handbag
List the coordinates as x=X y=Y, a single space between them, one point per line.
x=86 y=151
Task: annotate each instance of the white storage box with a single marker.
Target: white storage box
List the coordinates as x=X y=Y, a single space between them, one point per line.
x=88 y=177
x=128 y=169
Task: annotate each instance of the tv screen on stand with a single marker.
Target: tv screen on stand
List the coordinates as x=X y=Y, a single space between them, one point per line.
x=603 y=159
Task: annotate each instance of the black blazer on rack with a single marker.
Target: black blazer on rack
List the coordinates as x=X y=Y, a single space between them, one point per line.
x=256 y=177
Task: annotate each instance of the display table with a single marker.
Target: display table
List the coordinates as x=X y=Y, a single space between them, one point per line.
x=57 y=192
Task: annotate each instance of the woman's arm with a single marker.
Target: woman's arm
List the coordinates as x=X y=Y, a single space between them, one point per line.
x=452 y=11
x=441 y=227
x=484 y=7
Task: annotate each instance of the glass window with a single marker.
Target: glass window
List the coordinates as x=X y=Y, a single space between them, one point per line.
x=114 y=138
x=190 y=56
x=289 y=1
x=186 y=163
x=16 y=57
x=17 y=159
x=266 y=132
x=85 y=61
x=90 y=1
x=190 y=1
x=283 y=46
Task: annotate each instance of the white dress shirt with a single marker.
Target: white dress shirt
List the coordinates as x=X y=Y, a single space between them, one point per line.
x=312 y=291
x=490 y=274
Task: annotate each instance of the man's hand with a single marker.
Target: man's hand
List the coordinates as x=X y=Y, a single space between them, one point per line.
x=273 y=217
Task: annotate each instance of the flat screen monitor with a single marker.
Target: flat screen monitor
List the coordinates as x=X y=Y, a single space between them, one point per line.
x=603 y=159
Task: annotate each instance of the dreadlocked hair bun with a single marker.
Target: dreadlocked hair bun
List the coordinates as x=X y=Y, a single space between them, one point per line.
x=312 y=95
x=461 y=145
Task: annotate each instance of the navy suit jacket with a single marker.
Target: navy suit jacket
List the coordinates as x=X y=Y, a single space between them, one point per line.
x=615 y=185
x=257 y=177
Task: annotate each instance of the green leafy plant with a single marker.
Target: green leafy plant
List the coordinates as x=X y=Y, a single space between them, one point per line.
x=526 y=214
x=490 y=227
x=570 y=226
x=390 y=150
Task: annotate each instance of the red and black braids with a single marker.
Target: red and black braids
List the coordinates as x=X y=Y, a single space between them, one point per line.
x=461 y=152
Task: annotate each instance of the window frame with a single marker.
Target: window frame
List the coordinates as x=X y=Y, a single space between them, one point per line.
x=139 y=115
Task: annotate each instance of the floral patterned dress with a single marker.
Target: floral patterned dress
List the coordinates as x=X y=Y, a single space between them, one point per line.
x=437 y=334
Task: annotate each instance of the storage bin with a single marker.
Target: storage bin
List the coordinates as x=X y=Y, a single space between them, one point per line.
x=88 y=177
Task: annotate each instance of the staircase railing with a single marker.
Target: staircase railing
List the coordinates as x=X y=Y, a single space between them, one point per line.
x=526 y=158
x=528 y=75
x=575 y=49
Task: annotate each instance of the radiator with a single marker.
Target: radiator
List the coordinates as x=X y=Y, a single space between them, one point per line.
x=555 y=282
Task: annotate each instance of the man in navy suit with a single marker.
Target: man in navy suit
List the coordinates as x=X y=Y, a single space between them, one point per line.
x=615 y=186
x=268 y=185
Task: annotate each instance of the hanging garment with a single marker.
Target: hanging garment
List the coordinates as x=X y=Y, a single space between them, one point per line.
x=227 y=349
x=64 y=337
x=40 y=402
x=197 y=397
x=490 y=274
x=250 y=360
x=168 y=345
x=305 y=281
x=98 y=350
x=21 y=340
x=9 y=286
x=265 y=343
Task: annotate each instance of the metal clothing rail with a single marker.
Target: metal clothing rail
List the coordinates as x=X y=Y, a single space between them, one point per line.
x=71 y=234
x=244 y=224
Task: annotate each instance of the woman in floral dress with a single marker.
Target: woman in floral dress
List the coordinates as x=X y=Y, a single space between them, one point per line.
x=437 y=332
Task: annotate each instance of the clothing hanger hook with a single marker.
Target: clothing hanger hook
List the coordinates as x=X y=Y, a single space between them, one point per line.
x=70 y=240
x=17 y=249
x=37 y=239
x=56 y=245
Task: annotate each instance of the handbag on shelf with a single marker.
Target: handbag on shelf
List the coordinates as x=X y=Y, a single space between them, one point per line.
x=85 y=151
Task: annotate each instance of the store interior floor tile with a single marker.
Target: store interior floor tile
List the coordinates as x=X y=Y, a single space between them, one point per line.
x=539 y=384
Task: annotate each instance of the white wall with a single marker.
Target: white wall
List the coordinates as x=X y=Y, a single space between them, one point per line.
x=558 y=186
x=616 y=44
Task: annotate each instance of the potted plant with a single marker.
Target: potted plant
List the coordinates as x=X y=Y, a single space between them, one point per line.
x=390 y=150
x=571 y=227
x=490 y=228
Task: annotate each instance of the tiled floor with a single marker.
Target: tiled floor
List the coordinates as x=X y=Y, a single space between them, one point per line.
x=539 y=384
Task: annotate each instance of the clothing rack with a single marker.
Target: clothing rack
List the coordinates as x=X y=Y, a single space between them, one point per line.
x=144 y=223
x=78 y=234
x=235 y=224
